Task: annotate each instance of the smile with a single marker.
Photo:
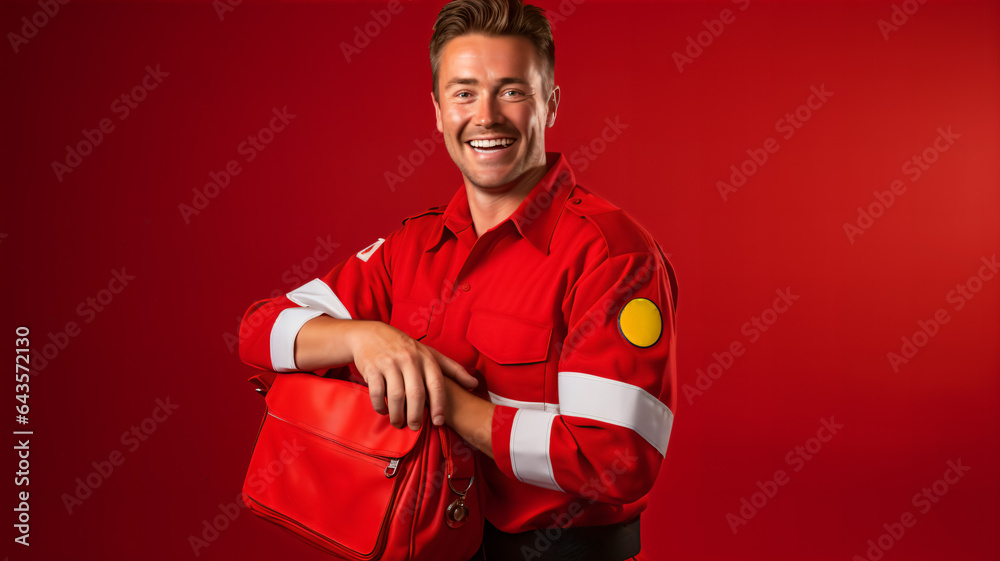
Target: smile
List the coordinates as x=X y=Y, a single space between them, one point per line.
x=490 y=146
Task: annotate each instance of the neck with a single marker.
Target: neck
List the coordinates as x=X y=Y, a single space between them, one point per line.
x=491 y=207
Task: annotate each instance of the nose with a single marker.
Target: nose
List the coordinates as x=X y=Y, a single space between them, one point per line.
x=487 y=112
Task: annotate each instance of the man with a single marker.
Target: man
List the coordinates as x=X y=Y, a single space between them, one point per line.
x=560 y=304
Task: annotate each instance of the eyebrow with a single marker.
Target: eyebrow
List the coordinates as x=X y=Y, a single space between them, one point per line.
x=474 y=82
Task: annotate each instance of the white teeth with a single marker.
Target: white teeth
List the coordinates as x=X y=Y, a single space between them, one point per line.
x=491 y=143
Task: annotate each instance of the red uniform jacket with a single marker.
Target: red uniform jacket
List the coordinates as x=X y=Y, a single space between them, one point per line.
x=565 y=310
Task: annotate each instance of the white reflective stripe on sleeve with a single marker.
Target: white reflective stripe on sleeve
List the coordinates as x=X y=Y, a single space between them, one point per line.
x=286 y=327
x=529 y=448
x=617 y=403
x=537 y=405
x=317 y=295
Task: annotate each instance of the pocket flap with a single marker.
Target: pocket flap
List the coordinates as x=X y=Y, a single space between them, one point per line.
x=506 y=339
x=340 y=411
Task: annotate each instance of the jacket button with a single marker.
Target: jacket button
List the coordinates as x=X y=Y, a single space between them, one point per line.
x=576 y=201
x=465 y=287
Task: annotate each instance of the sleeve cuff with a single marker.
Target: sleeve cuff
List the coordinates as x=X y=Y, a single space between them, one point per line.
x=286 y=327
x=503 y=420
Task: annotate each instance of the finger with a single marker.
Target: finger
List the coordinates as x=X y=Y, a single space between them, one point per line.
x=434 y=380
x=455 y=371
x=395 y=397
x=414 y=388
x=376 y=391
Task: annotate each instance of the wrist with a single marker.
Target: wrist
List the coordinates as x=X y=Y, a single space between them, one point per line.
x=352 y=333
x=469 y=415
x=452 y=400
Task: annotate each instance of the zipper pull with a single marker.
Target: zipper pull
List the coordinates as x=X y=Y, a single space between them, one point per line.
x=390 y=470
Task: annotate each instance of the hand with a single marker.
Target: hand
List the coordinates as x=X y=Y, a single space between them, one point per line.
x=400 y=371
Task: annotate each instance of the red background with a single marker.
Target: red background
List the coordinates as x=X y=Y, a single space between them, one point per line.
x=165 y=335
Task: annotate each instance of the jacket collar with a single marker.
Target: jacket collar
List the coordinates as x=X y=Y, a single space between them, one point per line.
x=535 y=218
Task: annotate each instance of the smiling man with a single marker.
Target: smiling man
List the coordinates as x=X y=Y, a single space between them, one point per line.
x=554 y=307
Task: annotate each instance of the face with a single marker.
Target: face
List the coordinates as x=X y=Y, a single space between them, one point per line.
x=492 y=92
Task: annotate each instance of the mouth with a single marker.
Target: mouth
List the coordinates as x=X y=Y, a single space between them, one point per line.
x=491 y=146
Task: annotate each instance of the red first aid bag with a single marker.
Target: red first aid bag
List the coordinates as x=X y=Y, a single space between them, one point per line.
x=335 y=473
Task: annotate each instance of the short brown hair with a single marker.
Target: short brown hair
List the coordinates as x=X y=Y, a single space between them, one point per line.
x=493 y=18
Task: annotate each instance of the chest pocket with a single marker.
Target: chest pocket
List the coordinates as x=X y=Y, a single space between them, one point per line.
x=513 y=354
x=508 y=340
x=411 y=317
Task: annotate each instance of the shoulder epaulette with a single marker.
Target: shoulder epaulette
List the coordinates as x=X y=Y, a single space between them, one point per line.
x=621 y=232
x=432 y=210
x=585 y=203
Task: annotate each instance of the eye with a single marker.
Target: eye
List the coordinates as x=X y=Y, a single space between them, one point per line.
x=512 y=94
x=463 y=95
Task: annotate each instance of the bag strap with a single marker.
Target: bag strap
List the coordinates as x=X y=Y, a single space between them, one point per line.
x=460 y=469
x=262 y=381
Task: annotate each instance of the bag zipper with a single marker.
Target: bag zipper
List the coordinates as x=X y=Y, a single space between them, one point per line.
x=389 y=464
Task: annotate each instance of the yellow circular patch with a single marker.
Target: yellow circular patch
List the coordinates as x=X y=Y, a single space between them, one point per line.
x=640 y=322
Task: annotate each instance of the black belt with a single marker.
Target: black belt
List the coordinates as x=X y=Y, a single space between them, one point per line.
x=614 y=542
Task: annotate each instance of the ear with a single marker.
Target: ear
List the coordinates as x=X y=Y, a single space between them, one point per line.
x=552 y=105
x=437 y=112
